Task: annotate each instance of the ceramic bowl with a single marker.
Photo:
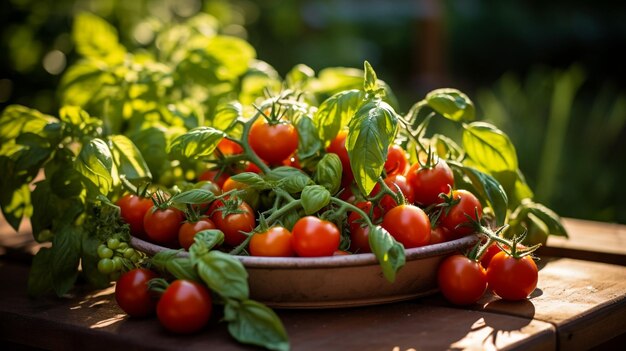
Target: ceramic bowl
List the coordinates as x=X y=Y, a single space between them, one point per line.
x=339 y=281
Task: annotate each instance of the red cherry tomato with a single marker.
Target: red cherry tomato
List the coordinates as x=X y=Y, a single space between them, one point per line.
x=292 y=161
x=354 y=218
x=188 y=231
x=185 y=307
x=274 y=242
x=338 y=146
x=428 y=183
x=132 y=294
x=512 y=278
x=388 y=202
x=461 y=280
x=491 y=251
x=233 y=224
x=396 y=162
x=455 y=219
x=273 y=143
x=409 y=225
x=438 y=235
x=132 y=209
x=314 y=237
x=228 y=147
x=251 y=167
x=359 y=239
x=161 y=225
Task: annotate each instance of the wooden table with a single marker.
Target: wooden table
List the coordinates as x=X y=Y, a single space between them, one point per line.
x=580 y=304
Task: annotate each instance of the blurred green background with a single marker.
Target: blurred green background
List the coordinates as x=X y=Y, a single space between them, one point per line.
x=550 y=74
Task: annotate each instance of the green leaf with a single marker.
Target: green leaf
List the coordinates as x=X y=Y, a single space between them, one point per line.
x=66 y=252
x=299 y=76
x=209 y=238
x=128 y=159
x=74 y=115
x=371 y=132
x=224 y=274
x=489 y=147
x=335 y=113
x=182 y=268
x=226 y=114
x=232 y=54
x=309 y=143
x=486 y=187
x=369 y=83
x=250 y=322
x=97 y=39
x=82 y=82
x=452 y=104
x=328 y=172
x=15 y=198
x=288 y=178
x=314 y=198
x=95 y=163
x=252 y=180
x=193 y=197
x=547 y=216
x=196 y=143
x=152 y=143
x=39 y=278
x=388 y=251
x=16 y=120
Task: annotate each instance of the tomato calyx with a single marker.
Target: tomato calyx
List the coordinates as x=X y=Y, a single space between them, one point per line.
x=158 y=285
x=431 y=160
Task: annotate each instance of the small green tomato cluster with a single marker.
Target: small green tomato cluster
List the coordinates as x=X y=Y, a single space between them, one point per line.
x=117 y=257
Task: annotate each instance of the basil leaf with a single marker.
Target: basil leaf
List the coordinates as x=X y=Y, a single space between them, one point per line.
x=309 y=142
x=371 y=132
x=82 y=82
x=335 y=113
x=314 y=198
x=328 y=172
x=182 y=268
x=97 y=39
x=152 y=144
x=15 y=195
x=486 y=187
x=252 y=180
x=224 y=274
x=250 y=322
x=547 y=216
x=370 y=80
x=128 y=159
x=95 y=162
x=39 y=278
x=193 y=197
x=232 y=54
x=452 y=104
x=226 y=114
x=198 y=142
x=209 y=238
x=489 y=147
x=16 y=120
x=65 y=252
x=299 y=76
x=388 y=251
x=295 y=184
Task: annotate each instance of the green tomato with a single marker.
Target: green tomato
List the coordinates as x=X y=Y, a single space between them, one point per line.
x=106 y=266
x=104 y=252
x=113 y=243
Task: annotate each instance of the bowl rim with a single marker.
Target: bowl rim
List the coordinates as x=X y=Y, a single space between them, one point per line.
x=353 y=260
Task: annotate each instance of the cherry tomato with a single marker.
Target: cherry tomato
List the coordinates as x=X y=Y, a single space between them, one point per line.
x=212 y=175
x=132 y=209
x=228 y=147
x=251 y=167
x=233 y=224
x=438 y=235
x=210 y=186
x=455 y=219
x=188 y=231
x=428 y=183
x=359 y=239
x=341 y=253
x=314 y=237
x=132 y=294
x=161 y=225
x=388 y=202
x=408 y=224
x=461 y=280
x=354 y=218
x=338 y=146
x=275 y=242
x=273 y=143
x=185 y=307
x=292 y=161
x=396 y=162
x=491 y=251
x=512 y=278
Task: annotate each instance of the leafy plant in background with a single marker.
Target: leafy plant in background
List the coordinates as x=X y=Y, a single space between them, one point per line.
x=568 y=138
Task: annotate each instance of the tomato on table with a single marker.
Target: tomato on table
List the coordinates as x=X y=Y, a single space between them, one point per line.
x=274 y=242
x=512 y=278
x=314 y=237
x=132 y=293
x=409 y=225
x=455 y=218
x=273 y=143
x=185 y=307
x=132 y=209
x=461 y=280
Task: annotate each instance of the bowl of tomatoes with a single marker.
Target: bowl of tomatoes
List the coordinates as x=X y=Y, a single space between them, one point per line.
x=339 y=281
